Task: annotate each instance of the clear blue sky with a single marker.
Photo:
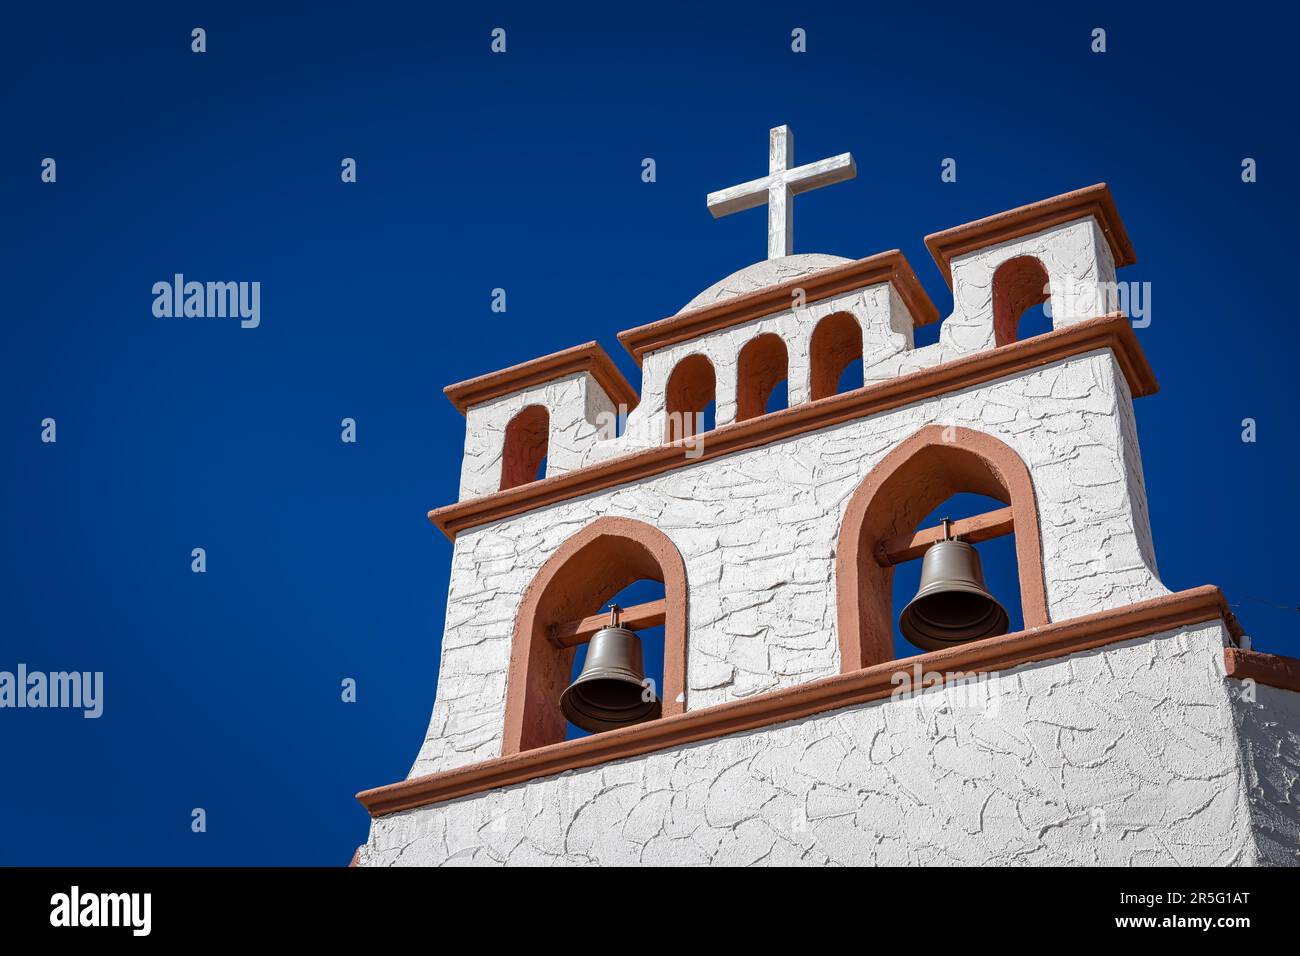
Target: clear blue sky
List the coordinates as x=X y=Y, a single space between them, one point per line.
x=519 y=171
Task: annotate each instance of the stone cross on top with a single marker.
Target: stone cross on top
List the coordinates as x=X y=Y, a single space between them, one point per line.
x=779 y=187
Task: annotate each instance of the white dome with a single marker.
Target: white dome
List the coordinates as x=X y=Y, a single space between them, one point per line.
x=762 y=274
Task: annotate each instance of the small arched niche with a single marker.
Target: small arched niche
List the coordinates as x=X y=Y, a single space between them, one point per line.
x=524 y=452
x=558 y=611
x=763 y=365
x=836 y=344
x=923 y=472
x=1019 y=285
x=690 y=398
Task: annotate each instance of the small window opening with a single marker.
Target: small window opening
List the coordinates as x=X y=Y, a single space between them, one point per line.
x=761 y=377
x=836 y=355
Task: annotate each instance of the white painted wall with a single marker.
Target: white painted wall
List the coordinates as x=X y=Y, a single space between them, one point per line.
x=1120 y=756
x=1075 y=254
x=1268 y=735
x=575 y=403
x=1143 y=741
x=758 y=529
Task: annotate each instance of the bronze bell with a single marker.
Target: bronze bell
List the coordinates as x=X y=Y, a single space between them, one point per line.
x=611 y=690
x=952 y=605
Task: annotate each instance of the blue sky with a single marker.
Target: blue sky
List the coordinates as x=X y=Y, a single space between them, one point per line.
x=519 y=171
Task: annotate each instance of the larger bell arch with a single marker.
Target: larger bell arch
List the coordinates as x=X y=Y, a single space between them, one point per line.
x=583 y=574
x=915 y=477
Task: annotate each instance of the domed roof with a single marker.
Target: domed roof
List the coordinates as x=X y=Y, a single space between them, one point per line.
x=762 y=274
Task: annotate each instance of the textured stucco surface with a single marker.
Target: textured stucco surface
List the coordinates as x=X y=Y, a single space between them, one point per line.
x=886 y=326
x=757 y=531
x=1141 y=753
x=578 y=408
x=1125 y=755
x=1075 y=255
x=760 y=275
x=1268 y=729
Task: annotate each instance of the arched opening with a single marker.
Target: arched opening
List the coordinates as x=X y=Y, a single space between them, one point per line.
x=836 y=346
x=523 y=457
x=690 y=398
x=564 y=606
x=1019 y=285
x=763 y=365
x=997 y=558
x=922 y=473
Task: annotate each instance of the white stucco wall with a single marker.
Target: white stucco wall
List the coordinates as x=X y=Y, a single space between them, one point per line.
x=1075 y=255
x=1268 y=733
x=576 y=405
x=762 y=274
x=1124 y=755
x=758 y=529
x=886 y=326
x=1081 y=273
x=1141 y=742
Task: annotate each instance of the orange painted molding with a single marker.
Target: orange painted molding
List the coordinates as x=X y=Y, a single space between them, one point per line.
x=1095 y=201
x=1135 y=621
x=586 y=571
x=589 y=357
x=1273 y=670
x=1113 y=332
x=634 y=618
x=889 y=266
x=907 y=547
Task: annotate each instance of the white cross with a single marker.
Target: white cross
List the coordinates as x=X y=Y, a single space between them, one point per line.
x=779 y=187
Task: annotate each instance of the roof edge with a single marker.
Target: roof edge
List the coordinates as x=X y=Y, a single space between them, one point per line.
x=891 y=266
x=1095 y=201
x=588 y=357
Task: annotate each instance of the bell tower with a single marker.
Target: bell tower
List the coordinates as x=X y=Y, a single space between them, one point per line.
x=1107 y=720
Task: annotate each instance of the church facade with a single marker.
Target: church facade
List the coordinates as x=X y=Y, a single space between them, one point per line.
x=1123 y=724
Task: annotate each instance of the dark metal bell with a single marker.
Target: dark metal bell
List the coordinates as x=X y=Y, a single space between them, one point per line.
x=611 y=690
x=952 y=605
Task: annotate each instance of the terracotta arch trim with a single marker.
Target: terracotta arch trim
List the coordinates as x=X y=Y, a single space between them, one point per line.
x=1018 y=284
x=1113 y=332
x=527 y=438
x=916 y=476
x=588 y=569
x=836 y=344
x=1135 y=621
x=762 y=364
